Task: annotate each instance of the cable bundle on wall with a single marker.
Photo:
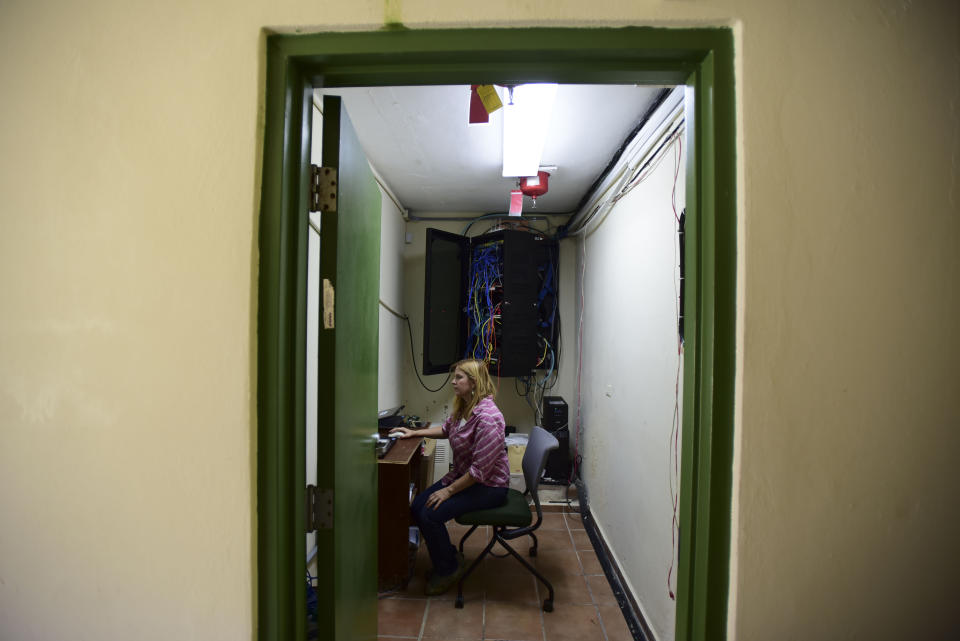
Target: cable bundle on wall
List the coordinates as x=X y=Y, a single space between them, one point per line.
x=636 y=163
x=501 y=327
x=484 y=302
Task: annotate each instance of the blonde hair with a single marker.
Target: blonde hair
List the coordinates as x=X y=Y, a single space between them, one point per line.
x=476 y=371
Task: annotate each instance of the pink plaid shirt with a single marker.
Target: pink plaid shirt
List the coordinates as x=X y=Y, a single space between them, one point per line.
x=479 y=446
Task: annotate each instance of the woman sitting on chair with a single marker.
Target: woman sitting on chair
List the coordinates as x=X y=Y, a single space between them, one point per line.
x=480 y=474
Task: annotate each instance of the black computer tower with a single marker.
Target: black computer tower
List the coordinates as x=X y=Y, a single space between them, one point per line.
x=557 y=468
x=555 y=413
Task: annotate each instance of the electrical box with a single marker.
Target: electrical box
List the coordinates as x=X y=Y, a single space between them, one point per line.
x=492 y=297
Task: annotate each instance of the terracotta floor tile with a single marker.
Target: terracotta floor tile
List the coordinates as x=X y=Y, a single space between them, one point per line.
x=572 y=623
x=522 y=547
x=569 y=588
x=400 y=617
x=513 y=621
x=522 y=544
x=448 y=623
x=513 y=588
x=414 y=588
x=601 y=591
x=502 y=600
x=472 y=588
x=553 y=540
x=470 y=556
x=553 y=521
x=614 y=624
x=555 y=562
x=581 y=540
x=589 y=561
x=456 y=530
x=507 y=566
x=476 y=543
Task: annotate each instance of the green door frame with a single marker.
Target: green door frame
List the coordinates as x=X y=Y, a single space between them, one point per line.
x=699 y=58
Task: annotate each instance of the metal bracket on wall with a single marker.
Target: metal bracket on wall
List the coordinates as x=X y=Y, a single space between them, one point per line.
x=319 y=508
x=323 y=189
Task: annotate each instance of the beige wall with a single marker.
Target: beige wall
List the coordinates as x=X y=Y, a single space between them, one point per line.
x=393 y=339
x=848 y=481
x=129 y=177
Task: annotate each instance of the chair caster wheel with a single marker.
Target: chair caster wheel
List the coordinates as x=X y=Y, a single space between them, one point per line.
x=533 y=551
x=548 y=605
x=459 y=603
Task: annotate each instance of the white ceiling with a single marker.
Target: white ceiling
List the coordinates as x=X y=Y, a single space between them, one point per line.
x=418 y=140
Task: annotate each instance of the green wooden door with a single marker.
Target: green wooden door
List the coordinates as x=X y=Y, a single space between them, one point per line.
x=347 y=382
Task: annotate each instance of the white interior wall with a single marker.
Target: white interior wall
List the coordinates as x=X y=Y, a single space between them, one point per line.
x=393 y=331
x=631 y=385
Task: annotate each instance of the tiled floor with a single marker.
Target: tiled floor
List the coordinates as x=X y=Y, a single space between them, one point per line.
x=502 y=600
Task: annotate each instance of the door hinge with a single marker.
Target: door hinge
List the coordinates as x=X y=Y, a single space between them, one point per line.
x=323 y=189
x=319 y=508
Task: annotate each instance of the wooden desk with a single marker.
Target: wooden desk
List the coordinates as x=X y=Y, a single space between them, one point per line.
x=396 y=471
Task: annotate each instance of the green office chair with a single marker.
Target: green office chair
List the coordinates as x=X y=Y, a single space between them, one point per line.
x=513 y=519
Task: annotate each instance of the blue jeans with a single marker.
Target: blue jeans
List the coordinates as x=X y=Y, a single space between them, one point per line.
x=431 y=521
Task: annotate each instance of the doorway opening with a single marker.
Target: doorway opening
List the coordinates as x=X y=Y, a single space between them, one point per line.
x=700 y=59
x=613 y=181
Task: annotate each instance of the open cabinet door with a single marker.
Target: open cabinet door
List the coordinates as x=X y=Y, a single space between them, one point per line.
x=347 y=386
x=445 y=274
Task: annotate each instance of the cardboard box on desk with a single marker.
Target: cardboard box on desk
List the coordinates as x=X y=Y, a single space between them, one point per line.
x=516 y=447
x=515 y=454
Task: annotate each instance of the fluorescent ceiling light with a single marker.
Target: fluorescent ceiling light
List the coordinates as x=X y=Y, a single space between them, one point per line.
x=525 y=124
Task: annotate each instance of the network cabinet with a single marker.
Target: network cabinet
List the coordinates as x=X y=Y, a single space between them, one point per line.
x=492 y=297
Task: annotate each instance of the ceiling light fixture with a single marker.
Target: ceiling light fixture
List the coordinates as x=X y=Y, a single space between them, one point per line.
x=526 y=118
